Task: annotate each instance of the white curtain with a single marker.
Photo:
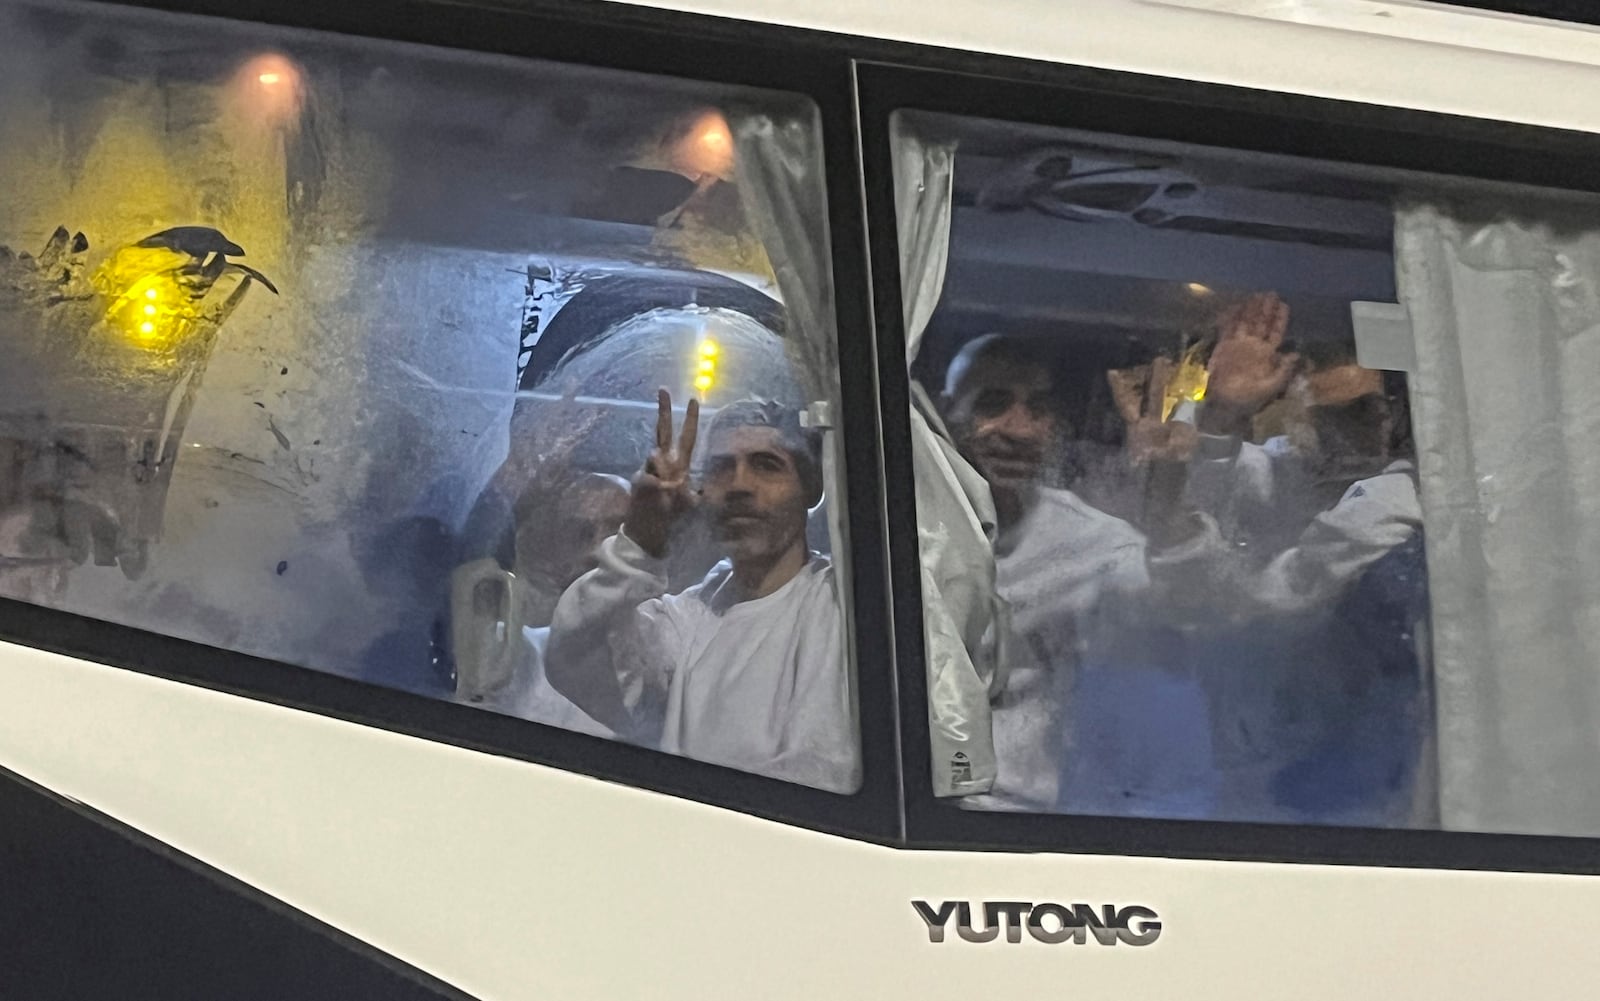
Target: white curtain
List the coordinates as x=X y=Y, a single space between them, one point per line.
x=779 y=176
x=924 y=173
x=1506 y=394
x=964 y=620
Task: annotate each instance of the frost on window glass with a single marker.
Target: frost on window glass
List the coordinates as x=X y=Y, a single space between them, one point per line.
x=1168 y=400
x=349 y=354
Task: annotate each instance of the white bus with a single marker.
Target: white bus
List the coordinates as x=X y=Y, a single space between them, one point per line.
x=1172 y=564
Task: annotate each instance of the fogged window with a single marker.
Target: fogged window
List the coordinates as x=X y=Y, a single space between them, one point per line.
x=493 y=380
x=1282 y=475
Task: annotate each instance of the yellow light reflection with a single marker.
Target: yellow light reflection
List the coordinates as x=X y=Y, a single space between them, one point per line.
x=707 y=351
x=1188 y=382
x=145 y=302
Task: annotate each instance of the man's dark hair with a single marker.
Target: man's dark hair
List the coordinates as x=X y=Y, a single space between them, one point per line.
x=1332 y=353
x=1327 y=353
x=993 y=347
x=803 y=444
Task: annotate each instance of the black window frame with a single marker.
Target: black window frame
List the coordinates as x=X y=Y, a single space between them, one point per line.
x=1576 y=11
x=1139 y=106
x=608 y=36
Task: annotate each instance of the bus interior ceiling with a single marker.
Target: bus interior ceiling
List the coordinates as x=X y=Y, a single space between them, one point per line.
x=1123 y=253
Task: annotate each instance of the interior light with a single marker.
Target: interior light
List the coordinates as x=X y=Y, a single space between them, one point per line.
x=1198 y=289
x=706 y=149
x=147 y=327
x=708 y=348
x=268 y=88
x=150 y=293
x=714 y=136
x=703 y=383
x=149 y=310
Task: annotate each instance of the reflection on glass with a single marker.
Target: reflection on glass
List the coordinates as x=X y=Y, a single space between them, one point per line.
x=347 y=355
x=1208 y=534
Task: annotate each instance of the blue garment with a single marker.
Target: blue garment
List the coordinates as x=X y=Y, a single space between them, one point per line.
x=1363 y=769
x=1321 y=717
x=1314 y=717
x=1140 y=745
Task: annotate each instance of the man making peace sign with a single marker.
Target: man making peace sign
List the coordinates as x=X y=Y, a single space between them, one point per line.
x=746 y=668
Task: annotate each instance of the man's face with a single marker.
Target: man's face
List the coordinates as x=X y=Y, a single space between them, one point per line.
x=1348 y=416
x=757 y=502
x=592 y=512
x=1003 y=419
x=562 y=544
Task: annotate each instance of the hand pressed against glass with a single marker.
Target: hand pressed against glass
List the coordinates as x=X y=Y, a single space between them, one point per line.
x=1248 y=369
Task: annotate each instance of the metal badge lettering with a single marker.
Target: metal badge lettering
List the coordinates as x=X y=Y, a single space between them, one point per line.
x=1049 y=923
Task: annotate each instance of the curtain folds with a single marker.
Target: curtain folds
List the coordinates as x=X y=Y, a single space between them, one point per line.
x=1506 y=315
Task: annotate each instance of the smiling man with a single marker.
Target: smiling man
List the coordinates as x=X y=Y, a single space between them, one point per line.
x=1056 y=558
x=748 y=667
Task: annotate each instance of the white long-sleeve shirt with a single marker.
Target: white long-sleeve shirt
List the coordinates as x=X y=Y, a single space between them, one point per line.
x=528 y=694
x=1056 y=568
x=1314 y=716
x=1273 y=540
x=760 y=685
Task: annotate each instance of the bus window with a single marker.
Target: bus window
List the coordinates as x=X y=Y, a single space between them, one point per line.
x=492 y=380
x=1279 y=463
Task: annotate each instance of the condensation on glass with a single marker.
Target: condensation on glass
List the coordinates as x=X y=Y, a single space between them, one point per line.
x=1284 y=472
x=346 y=354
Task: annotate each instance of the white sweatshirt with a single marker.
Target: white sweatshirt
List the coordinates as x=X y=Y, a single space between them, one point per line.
x=1055 y=568
x=1254 y=496
x=529 y=694
x=760 y=685
x=1308 y=725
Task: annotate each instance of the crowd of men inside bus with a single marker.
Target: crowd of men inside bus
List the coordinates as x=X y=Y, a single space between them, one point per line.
x=1225 y=618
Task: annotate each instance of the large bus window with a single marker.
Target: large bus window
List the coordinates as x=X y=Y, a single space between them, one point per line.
x=1268 y=480
x=493 y=380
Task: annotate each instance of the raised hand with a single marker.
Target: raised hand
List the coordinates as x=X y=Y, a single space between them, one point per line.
x=1138 y=394
x=1247 y=370
x=661 y=490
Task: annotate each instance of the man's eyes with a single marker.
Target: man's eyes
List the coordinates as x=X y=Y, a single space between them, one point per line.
x=997 y=401
x=992 y=401
x=761 y=462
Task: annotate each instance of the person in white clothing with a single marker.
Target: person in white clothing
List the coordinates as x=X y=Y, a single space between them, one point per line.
x=559 y=525
x=748 y=668
x=499 y=647
x=1302 y=582
x=1058 y=560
